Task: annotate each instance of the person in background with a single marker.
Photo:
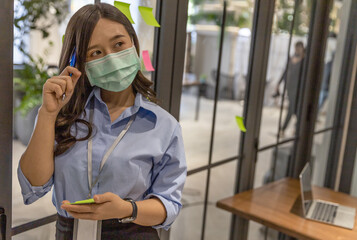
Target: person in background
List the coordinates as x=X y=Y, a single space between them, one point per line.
x=325 y=86
x=292 y=76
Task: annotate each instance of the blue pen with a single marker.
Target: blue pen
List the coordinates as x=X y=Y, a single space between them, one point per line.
x=72 y=63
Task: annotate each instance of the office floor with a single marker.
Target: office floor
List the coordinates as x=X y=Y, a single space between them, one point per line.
x=196 y=136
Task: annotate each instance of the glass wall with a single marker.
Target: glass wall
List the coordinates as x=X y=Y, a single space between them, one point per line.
x=283 y=90
x=285 y=71
x=331 y=83
x=284 y=85
x=197 y=112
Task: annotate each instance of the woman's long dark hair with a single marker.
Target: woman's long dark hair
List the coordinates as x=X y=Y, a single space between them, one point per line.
x=78 y=33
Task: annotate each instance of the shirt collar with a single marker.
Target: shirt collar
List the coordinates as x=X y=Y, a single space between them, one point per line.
x=140 y=101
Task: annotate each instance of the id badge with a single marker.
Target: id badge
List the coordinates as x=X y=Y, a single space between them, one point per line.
x=87 y=229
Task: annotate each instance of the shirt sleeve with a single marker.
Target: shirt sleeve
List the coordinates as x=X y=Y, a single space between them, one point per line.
x=169 y=176
x=32 y=193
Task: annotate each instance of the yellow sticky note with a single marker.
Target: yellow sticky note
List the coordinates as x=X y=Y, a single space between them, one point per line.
x=147 y=15
x=124 y=8
x=240 y=123
x=87 y=201
x=62 y=38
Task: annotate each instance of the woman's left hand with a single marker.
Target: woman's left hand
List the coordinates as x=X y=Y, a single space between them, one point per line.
x=106 y=206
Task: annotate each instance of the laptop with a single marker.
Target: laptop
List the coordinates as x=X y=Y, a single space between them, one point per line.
x=323 y=211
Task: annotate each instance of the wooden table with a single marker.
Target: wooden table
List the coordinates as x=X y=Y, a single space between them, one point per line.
x=276 y=205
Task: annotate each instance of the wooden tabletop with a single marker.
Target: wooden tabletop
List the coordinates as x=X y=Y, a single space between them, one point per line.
x=277 y=205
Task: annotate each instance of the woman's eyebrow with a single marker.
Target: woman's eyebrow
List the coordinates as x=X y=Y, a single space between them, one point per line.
x=117 y=36
x=111 y=39
x=94 y=46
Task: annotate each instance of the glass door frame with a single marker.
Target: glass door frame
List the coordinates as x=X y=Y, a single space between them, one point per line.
x=6 y=100
x=169 y=53
x=345 y=168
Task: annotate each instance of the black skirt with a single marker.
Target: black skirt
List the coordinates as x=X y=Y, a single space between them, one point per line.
x=111 y=229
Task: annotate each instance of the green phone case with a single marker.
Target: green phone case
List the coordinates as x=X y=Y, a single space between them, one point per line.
x=86 y=201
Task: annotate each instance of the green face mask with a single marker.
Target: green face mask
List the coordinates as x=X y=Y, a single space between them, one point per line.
x=114 y=72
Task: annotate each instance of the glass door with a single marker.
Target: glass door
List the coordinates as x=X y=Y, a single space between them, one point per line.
x=213 y=93
x=285 y=90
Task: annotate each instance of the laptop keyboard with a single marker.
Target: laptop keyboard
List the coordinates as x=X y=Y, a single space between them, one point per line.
x=324 y=212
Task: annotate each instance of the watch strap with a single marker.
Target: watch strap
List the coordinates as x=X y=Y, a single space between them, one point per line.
x=134 y=214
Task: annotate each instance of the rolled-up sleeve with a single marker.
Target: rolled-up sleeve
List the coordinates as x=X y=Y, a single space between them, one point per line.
x=169 y=176
x=31 y=193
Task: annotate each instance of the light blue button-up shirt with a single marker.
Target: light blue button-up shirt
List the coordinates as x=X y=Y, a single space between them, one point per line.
x=148 y=162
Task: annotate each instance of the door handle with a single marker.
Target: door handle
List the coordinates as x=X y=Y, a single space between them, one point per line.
x=2 y=224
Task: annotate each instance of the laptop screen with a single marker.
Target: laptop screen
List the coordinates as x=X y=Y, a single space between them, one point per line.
x=306 y=190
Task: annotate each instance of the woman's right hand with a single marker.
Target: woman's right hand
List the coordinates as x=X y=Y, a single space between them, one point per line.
x=54 y=88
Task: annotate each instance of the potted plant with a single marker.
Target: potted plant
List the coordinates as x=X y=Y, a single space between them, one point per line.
x=30 y=76
x=28 y=84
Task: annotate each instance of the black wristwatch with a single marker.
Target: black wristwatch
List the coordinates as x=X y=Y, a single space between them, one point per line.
x=135 y=212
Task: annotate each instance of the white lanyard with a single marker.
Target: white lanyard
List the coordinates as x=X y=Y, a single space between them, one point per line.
x=107 y=154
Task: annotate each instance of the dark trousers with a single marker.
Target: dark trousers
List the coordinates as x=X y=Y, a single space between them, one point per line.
x=291 y=111
x=111 y=229
x=288 y=117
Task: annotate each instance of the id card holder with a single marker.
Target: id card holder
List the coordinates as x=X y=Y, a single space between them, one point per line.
x=87 y=229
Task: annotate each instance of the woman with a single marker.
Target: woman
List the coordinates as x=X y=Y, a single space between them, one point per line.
x=100 y=134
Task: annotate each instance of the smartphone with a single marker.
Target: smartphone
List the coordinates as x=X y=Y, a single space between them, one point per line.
x=86 y=201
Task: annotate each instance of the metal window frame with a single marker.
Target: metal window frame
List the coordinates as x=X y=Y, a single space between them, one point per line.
x=314 y=70
x=168 y=57
x=169 y=53
x=172 y=98
x=6 y=102
x=340 y=111
x=253 y=105
x=349 y=157
x=300 y=87
x=208 y=178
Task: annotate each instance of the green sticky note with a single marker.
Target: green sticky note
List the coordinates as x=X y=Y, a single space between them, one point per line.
x=87 y=201
x=124 y=8
x=62 y=38
x=240 y=123
x=147 y=15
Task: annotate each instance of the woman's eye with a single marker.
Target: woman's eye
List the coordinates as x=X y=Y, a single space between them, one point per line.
x=96 y=53
x=118 y=44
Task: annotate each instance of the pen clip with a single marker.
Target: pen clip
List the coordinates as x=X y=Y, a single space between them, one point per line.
x=72 y=60
x=72 y=63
